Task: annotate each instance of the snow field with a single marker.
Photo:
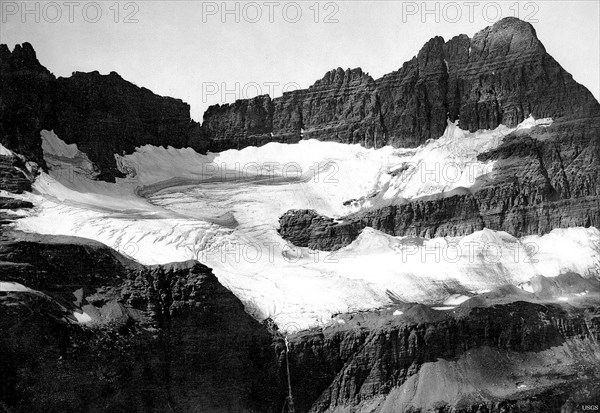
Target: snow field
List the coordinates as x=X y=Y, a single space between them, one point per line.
x=223 y=210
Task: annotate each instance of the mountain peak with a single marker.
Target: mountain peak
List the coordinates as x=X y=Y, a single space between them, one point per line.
x=507 y=36
x=513 y=23
x=23 y=57
x=341 y=77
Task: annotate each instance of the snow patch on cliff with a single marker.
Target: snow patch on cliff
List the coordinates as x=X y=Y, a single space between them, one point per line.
x=65 y=161
x=82 y=317
x=4 y=151
x=6 y=286
x=444 y=164
x=53 y=145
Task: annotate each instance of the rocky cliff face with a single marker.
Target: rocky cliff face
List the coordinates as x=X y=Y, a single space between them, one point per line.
x=240 y=124
x=162 y=338
x=24 y=83
x=501 y=76
x=361 y=365
x=545 y=179
x=14 y=174
x=342 y=107
x=103 y=115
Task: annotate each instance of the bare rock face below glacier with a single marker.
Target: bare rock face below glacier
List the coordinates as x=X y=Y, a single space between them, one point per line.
x=153 y=339
x=375 y=361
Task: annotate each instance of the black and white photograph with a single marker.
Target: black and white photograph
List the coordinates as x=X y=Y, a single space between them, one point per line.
x=309 y=206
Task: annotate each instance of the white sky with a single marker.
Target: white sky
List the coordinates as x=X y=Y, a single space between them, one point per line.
x=180 y=49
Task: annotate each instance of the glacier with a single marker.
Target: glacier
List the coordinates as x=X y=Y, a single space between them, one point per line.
x=222 y=209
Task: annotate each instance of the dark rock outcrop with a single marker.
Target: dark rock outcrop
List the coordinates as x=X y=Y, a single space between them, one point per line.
x=106 y=115
x=14 y=175
x=7 y=204
x=306 y=228
x=25 y=88
x=455 y=215
x=544 y=179
x=103 y=114
x=162 y=338
x=240 y=124
x=342 y=107
x=373 y=353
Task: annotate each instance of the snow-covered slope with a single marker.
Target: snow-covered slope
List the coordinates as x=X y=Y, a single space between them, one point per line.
x=444 y=164
x=223 y=210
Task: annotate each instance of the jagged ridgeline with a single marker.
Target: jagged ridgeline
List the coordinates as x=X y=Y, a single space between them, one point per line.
x=103 y=115
x=500 y=76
